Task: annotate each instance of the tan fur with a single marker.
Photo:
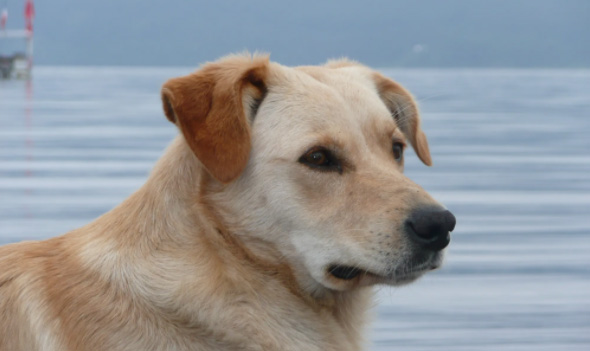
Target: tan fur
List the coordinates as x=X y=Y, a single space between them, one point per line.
x=225 y=247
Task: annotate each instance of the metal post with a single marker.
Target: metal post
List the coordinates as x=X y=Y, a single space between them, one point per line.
x=30 y=53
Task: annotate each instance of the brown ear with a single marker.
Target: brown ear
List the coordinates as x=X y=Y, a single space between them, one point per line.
x=208 y=107
x=405 y=112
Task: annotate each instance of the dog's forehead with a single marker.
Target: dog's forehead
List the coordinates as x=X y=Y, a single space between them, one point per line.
x=344 y=94
x=308 y=105
x=349 y=82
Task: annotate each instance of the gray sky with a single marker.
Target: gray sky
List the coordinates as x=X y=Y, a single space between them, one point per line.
x=431 y=33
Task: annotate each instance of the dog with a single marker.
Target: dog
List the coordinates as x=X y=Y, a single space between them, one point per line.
x=264 y=226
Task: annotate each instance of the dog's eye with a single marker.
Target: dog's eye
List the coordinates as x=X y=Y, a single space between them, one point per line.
x=321 y=159
x=398 y=151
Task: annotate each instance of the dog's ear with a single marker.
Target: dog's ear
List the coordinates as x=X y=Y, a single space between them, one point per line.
x=212 y=107
x=405 y=112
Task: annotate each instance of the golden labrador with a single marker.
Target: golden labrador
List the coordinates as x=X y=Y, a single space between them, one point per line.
x=263 y=226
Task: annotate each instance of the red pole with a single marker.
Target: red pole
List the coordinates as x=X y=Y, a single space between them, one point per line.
x=29 y=15
x=3 y=18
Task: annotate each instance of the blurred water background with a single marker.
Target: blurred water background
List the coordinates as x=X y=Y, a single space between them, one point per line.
x=511 y=152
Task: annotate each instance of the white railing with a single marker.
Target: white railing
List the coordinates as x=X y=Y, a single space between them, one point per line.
x=18 y=33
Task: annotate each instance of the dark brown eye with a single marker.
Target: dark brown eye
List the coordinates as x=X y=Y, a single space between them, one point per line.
x=317 y=158
x=398 y=151
x=321 y=159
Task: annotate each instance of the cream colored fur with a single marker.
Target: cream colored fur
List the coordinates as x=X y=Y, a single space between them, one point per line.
x=234 y=256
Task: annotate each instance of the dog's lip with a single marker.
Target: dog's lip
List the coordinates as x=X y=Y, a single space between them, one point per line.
x=349 y=273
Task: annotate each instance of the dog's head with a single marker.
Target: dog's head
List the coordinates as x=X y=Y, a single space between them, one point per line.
x=308 y=163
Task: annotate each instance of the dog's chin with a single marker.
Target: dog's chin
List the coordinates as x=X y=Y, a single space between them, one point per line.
x=346 y=277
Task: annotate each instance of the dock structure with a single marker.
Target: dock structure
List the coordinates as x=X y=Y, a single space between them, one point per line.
x=18 y=65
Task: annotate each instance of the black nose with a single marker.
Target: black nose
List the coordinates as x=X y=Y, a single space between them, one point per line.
x=430 y=227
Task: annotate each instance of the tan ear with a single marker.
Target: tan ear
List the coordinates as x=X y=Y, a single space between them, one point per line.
x=208 y=107
x=405 y=112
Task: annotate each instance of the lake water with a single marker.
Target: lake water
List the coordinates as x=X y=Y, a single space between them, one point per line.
x=511 y=152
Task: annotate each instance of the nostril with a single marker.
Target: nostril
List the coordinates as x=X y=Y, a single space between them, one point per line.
x=425 y=230
x=451 y=221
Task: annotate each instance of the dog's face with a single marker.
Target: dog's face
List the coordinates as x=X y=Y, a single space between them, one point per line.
x=323 y=184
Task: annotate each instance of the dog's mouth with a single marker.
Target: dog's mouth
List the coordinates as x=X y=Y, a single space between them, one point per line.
x=415 y=268
x=344 y=272
x=350 y=273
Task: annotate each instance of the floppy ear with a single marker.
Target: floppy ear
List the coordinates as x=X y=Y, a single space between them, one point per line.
x=209 y=107
x=405 y=112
